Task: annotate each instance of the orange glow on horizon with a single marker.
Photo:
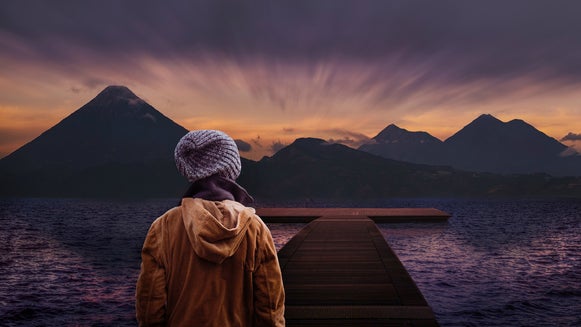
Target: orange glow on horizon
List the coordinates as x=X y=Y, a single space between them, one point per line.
x=266 y=104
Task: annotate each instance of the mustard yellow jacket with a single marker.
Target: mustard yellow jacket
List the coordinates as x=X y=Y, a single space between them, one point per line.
x=208 y=263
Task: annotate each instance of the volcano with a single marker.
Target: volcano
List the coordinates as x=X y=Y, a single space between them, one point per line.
x=115 y=144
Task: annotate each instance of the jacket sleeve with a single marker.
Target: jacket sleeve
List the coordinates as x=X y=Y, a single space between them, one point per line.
x=268 y=286
x=150 y=296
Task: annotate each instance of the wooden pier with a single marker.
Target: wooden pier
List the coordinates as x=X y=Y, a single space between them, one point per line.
x=340 y=271
x=378 y=215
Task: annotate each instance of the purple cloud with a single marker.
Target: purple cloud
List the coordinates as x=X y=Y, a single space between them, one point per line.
x=572 y=137
x=243 y=146
x=477 y=40
x=411 y=47
x=351 y=139
x=277 y=146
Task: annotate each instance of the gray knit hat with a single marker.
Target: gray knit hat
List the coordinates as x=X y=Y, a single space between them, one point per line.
x=204 y=153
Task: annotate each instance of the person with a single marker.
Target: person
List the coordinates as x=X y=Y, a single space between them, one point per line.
x=210 y=261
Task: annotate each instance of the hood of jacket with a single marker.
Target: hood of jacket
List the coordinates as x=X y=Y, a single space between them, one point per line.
x=215 y=229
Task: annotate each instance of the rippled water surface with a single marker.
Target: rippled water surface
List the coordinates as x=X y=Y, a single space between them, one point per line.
x=495 y=263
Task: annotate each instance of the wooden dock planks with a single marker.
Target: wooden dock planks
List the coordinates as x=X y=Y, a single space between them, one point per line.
x=378 y=215
x=340 y=271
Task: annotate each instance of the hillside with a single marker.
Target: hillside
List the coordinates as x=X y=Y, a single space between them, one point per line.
x=314 y=169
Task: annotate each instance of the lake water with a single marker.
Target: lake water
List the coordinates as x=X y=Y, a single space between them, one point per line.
x=71 y=262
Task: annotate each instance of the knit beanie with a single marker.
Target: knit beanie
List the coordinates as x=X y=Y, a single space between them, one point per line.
x=203 y=153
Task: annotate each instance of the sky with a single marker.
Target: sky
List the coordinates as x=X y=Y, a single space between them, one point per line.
x=268 y=72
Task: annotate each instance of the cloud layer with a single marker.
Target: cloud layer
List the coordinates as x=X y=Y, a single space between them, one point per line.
x=339 y=70
x=572 y=137
x=448 y=41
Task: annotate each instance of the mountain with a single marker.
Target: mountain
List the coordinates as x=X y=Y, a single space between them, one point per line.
x=115 y=144
x=314 y=169
x=400 y=144
x=488 y=144
x=485 y=145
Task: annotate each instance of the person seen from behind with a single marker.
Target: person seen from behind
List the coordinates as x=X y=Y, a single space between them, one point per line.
x=210 y=261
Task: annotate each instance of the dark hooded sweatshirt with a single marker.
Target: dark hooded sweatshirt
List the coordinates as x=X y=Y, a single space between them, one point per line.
x=209 y=263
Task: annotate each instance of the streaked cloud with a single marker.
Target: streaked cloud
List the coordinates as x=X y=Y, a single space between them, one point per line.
x=337 y=70
x=473 y=40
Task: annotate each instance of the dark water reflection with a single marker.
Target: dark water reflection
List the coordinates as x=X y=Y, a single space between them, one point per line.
x=71 y=262
x=495 y=263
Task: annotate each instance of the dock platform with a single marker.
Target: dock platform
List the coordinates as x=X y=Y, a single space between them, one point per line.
x=378 y=215
x=340 y=271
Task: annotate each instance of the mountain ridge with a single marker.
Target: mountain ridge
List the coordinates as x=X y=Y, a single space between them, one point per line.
x=488 y=144
x=398 y=143
x=96 y=127
x=115 y=133
x=394 y=133
x=117 y=145
x=315 y=169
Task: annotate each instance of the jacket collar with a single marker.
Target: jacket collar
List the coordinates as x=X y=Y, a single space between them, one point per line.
x=218 y=188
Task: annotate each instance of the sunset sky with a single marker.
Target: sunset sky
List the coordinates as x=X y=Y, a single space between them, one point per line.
x=267 y=72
